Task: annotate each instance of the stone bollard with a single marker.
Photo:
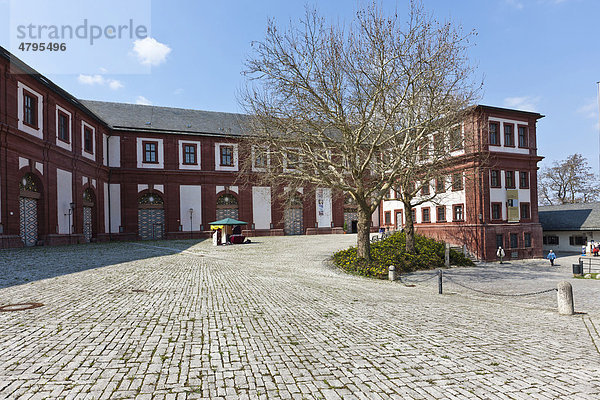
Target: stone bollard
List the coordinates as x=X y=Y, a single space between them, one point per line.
x=392 y=273
x=565 y=298
x=447 y=256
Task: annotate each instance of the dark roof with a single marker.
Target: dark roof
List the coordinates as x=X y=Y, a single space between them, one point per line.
x=510 y=110
x=123 y=116
x=570 y=217
x=26 y=69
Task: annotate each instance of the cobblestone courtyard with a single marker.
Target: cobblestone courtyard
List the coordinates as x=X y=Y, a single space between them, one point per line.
x=185 y=320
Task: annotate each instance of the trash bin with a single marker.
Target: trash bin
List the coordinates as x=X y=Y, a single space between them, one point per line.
x=577 y=269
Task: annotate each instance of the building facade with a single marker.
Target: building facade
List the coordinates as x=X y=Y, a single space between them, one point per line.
x=74 y=171
x=493 y=201
x=570 y=227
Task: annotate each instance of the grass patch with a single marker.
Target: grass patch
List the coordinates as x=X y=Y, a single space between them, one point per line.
x=593 y=276
x=391 y=251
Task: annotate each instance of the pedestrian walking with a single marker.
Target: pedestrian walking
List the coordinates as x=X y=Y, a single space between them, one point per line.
x=551 y=256
x=500 y=253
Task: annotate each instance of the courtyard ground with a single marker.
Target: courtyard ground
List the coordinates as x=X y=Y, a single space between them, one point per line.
x=272 y=319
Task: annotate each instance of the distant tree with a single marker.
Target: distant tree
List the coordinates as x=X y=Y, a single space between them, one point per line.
x=349 y=107
x=568 y=181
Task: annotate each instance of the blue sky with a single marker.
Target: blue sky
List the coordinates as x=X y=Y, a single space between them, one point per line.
x=539 y=55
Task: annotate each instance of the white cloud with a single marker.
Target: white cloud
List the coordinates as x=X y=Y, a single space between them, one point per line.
x=149 y=51
x=143 y=101
x=589 y=109
x=515 y=3
x=524 y=103
x=91 y=80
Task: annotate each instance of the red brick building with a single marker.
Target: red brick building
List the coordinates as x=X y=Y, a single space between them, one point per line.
x=494 y=201
x=74 y=171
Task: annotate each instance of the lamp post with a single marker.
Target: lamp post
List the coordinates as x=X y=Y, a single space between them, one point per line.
x=69 y=213
x=191 y=219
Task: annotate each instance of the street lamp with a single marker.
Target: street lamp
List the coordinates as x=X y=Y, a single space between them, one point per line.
x=69 y=213
x=191 y=219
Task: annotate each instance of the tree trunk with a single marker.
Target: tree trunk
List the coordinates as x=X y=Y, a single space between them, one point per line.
x=409 y=228
x=363 y=240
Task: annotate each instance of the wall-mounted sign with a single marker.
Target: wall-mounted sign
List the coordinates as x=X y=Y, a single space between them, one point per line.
x=512 y=205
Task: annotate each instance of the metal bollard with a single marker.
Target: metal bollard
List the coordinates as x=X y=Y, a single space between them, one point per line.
x=440 y=276
x=565 y=298
x=392 y=273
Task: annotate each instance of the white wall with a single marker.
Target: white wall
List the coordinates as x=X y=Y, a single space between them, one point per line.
x=261 y=207
x=64 y=189
x=114 y=151
x=323 y=207
x=190 y=196
x=563 y=240
x=115 y=208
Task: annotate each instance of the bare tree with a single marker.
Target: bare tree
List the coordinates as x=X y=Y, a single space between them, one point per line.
x=568 y=181
x=348 y=107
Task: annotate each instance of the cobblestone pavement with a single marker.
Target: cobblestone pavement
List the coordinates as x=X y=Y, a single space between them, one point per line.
x=185 y=320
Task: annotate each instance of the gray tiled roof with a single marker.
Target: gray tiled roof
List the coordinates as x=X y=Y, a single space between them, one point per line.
x=167 y=119
x=570 y=217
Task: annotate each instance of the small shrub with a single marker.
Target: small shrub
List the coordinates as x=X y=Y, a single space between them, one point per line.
x=391 y=251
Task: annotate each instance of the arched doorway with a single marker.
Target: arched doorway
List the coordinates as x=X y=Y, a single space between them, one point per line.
x=89 y=201
x=293 y=217
x=29 y=195
x=151 y=216
x=227 y=206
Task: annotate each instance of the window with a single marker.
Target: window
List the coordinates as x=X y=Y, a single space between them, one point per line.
x=499 y=241
x=425 y=189
x=514 y=241
x=510 y=179
x=577 y=240
x=88 y=140
x=226 y=156
x=189 y=154
x=388 y=217
x=509 y=135
x=455 y=139
x=413 y=213
x=457 y=213
x=425 y=215
x=527 y=239
x=63 y=127
x=457 y=182
x=495 y=178
x=441 y=213
x=525 y=212
x=260 y=157
x=550 y=239
x=523 y=136
x=438 y=145
x=30 y=109
x=150 y=152
x=497 y=211
x=424 y=150
x=523 y=179
x=440 y=185
x=494 y=134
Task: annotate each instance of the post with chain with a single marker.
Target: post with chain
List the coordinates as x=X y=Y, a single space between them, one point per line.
x=565 y=298
x=447 y=256
x=440 y=276
x=392 y=273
